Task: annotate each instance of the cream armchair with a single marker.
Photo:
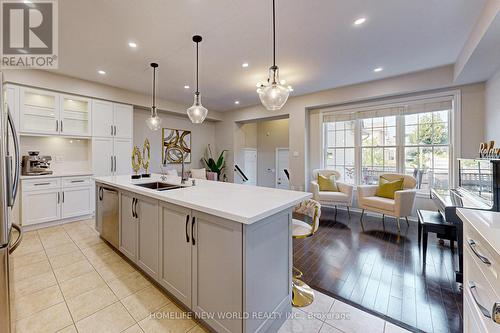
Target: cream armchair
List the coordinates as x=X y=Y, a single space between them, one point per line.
x=400 y=206
x=334 y=199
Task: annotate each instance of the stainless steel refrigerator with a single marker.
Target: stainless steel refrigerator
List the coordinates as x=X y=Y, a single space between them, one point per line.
x=9 y=181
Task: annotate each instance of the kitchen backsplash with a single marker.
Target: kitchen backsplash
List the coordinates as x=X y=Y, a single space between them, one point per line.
x=68 y=155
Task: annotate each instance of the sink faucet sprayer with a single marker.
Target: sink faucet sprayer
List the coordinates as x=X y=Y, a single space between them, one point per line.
x=183 y=178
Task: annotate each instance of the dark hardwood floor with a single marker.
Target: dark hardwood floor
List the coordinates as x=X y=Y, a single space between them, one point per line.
x=382 y=272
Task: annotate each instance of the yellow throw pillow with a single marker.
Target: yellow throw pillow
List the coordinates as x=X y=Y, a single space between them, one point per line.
x=387 y=188
x=327 y=184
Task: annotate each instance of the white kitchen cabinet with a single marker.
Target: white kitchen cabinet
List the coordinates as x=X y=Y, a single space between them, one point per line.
x=175 y=251
x=75 y=116
x=146 y=210
x=217 y=247
x=76 y=201
x=123 y=116
x=128 y=226
x=102 y=118
x=39 y=111
x=52 y=199
x=41 y=206
x=112 y=120
x=102 y=157
x=122 y=151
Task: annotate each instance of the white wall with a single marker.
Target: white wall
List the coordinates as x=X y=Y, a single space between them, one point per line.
x=492 y=115
x=201 y=136
x=297 y=110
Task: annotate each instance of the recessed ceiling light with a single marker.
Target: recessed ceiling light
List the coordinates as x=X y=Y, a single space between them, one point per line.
x=236 y=102
x=360 y=21
x=132 y=45
x=378 y=69
x=244 y=65
x=101 y=72
x=186 y=87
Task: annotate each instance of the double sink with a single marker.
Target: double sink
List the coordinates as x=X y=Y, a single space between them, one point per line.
x=159 y=186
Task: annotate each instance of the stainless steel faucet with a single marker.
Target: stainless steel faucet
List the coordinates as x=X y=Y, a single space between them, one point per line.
x=183 y=178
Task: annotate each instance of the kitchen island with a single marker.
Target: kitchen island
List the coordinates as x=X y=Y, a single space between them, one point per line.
x=222 y=250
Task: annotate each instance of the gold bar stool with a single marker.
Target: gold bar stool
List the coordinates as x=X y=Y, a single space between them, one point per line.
x=302 y=294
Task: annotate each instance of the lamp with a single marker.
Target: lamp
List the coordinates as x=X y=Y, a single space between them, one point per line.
x=197 y=113
x=154 y=122
x=273 y=95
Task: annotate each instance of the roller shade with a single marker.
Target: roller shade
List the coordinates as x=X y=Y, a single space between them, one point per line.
x=331 y=117
x=428 y=107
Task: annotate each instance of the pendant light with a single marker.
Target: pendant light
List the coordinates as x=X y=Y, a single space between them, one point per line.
x=197 y=113
x=273 y=95
x=154 y=122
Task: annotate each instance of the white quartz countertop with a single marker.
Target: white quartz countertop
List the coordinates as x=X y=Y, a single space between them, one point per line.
x=241 y=203
x=486 y=223
x=59 y=174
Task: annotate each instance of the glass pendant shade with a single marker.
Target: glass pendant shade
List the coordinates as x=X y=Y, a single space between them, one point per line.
x=273 y=95
x=154 y=122
x=197 y=113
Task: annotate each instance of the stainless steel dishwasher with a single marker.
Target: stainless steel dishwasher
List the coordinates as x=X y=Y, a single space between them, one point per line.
x=107 y=216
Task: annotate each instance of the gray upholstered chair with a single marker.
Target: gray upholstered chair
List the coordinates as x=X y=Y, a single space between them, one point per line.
x=332 y=199
x=400 y=206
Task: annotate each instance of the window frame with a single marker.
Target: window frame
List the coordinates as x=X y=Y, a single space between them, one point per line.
x=353 y=107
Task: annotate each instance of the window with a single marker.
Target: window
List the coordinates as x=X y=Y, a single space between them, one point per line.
x=340 y=149
x=411 y=137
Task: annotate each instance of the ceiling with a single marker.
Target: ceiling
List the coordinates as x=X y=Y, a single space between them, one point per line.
x=318 y=48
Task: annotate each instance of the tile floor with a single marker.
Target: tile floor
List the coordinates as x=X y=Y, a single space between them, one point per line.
x=68 y=280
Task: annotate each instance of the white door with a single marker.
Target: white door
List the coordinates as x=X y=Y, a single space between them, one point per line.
x=75 y=115
x=39 y=111
x=102 y=155
x=123 y=156
x=102 y=118
x=250 y=166
x=123 y=118
x=76 y=201
x=41 y=206
x=282 y=165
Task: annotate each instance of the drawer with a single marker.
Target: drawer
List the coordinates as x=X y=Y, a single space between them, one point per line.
x=76 y=181
x=486 y=259
x=40 y=184
x=480 y=294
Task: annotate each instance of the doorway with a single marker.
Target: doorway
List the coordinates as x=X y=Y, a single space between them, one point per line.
x=282 y=169
x=250 y=165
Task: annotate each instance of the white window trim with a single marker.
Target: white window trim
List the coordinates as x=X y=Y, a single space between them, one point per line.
x=359 y=106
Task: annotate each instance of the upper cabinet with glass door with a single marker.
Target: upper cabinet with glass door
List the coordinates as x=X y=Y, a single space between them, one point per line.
x=48 y=113
x=75 y=116
x=39 y=111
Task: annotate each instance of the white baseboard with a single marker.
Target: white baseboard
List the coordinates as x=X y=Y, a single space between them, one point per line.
x=37 y=226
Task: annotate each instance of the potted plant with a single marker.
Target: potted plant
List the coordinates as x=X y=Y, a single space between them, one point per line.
x=212 y=164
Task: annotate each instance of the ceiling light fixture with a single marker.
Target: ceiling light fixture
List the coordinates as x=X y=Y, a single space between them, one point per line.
x=273 y=95
x=360 y=21
x=154 y=122
x=236 y=102
x=186 y=87
x=378 y=69
x=101 y=72
x=132 y=45
x=244 y=65
x=197 y=113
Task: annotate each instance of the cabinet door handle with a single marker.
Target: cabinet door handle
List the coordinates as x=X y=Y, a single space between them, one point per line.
x=62 y=126
x=135 y=209
x=111 y=127
x=187 y=222
x=78 y=181
x=133 y=202
x=484 y=311
x=101 y=193
x=472 y=246
x=63 y=197
x=58 y=197
x=111 y=163
x=193 y=241
x=41 y=184
x=115 y=129
x=114 y=159
x=57 y=125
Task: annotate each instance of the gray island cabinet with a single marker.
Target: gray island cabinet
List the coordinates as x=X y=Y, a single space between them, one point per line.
x=232 y=271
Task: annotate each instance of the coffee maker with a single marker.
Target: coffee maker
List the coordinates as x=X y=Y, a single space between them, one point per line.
x=35 y=165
